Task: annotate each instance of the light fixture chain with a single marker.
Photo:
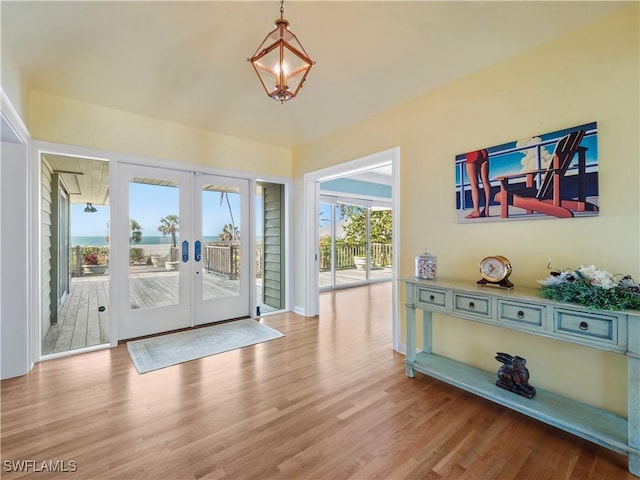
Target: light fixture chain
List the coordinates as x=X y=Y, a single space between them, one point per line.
x=281 y=8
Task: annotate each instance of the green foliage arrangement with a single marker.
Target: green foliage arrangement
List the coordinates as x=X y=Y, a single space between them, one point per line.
x=595 y=288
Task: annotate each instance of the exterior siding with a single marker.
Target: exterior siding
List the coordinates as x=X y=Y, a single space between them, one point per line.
x=46 y=229
x=273 y=293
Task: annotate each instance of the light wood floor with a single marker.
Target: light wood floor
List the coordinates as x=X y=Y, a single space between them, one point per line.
x=330 y=400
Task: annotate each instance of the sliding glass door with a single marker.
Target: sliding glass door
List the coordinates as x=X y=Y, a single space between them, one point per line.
x=354 y=243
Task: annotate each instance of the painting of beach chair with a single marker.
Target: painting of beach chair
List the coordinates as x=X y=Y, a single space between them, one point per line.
x=548 y=198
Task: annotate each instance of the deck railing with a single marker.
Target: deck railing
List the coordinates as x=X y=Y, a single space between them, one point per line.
x=380 y=255
x=222 y=258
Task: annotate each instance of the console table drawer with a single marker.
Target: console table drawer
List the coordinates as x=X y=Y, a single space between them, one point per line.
x=472 y=305
x=432 y=298
x=522 y=314
x=592 y=327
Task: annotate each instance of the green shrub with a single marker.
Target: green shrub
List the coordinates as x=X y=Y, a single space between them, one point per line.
x=136 y=255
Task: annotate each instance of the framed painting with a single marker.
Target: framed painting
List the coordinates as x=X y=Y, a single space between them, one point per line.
x=554 y=175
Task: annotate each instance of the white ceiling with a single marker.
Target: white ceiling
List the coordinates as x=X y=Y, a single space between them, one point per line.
x=86 y=180
x=185 y=62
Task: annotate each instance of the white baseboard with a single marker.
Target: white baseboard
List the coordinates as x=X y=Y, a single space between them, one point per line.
x=298 y=310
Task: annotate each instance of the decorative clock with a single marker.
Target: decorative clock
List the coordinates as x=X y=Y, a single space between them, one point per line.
x=495 y=271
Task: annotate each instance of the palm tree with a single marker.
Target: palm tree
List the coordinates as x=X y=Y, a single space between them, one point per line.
x=169 y=226
x=233 y=230
x=225 y=235
x=136 y=231
x=229 y=233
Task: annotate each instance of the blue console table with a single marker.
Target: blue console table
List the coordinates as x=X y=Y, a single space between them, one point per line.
x=521 y=309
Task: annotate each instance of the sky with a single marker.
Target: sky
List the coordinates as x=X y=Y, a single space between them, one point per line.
x=150 y=203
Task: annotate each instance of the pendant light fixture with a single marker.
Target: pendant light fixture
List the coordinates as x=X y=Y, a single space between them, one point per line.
x=281 y=62
x=90 y=208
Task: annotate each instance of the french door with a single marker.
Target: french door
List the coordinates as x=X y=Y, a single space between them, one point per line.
x=188 y=262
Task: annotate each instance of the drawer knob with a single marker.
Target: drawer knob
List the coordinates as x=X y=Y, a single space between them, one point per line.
x=432 y=298
x=520 y=314
x=584 y=326
x=472 y=305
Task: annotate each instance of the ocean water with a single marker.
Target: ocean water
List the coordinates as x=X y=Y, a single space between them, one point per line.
x=146 y=240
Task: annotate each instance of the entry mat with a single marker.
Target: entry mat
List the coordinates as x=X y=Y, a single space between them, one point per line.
x=166 y=350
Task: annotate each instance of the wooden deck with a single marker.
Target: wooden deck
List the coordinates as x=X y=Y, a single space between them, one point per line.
x=158 y=288
x=80 y=323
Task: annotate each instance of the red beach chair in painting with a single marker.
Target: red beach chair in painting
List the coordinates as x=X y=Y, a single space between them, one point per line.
x=548 y=198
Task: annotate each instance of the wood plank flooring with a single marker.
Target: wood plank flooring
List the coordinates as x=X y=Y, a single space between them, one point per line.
x=330 y=400
x=80 y=323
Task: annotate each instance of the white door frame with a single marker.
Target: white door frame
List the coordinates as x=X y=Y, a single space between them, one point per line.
x=115 y=159
x=18 y=344
x=38 y=149
x=311 y=206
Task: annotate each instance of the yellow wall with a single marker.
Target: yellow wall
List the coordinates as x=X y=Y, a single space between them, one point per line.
x=62 y=120
x=13 y=85
x=590 y=74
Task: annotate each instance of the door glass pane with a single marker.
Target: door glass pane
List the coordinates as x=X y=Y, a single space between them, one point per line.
x=380 y=228
x=325 y=259
x=351 y=244
x=75 y=253
x=154 y=236
x=220 y=241
x=63 y=241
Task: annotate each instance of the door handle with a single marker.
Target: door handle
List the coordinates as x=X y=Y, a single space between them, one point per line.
x=185 y=251
x=197 y=254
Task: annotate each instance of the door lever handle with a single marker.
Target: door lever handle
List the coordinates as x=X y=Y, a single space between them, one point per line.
x=197 y=254
x=185 y=251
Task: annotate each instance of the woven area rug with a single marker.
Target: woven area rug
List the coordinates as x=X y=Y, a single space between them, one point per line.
x=167 y=350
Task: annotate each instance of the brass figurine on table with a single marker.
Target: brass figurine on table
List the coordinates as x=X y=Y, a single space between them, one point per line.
x=514 y=376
